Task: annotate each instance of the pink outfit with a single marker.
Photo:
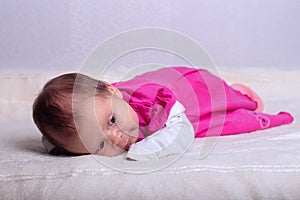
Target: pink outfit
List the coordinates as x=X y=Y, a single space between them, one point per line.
x=212 y=106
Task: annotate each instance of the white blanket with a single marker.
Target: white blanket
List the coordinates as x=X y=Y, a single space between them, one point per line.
x=260 y=165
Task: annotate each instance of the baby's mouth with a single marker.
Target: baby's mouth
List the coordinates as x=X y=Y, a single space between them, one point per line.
x=129 y=142
x=131 y=138
x=127 y=139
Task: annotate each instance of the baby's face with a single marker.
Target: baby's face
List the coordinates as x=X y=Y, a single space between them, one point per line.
x=116 y=126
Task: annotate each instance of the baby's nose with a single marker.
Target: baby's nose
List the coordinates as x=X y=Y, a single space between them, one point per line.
x=116 y=137
x=118 y=134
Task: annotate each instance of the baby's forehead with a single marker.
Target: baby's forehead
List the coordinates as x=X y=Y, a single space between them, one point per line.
x=90 y=112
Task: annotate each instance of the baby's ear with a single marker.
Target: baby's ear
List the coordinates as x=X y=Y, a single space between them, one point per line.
x=110 y=87
x=114 y=90
x=118 y=93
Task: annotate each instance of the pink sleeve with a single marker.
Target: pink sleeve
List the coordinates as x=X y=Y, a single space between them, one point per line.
x=153 y=103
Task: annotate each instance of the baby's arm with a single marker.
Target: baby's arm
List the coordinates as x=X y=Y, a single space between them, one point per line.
x=173 y=139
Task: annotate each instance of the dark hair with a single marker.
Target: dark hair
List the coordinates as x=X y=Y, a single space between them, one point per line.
x=52 y=109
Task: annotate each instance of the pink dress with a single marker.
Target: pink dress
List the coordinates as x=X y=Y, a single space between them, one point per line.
x=212 y=106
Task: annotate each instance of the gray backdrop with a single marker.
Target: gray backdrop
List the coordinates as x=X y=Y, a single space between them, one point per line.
x=56 y=34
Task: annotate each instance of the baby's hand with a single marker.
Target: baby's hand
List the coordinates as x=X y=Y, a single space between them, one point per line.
x=174 y=139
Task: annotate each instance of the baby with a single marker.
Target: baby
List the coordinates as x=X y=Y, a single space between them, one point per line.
x=168 y=107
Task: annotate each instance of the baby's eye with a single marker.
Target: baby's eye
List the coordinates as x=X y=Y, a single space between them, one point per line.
x=112 y=120
x=101 y=146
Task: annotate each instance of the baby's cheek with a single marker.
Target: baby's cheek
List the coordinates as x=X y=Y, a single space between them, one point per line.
x=134 y=120
x=127 y=123
x=135 y=135
x=114 y=151
x=110 y=150
x=113 y=138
